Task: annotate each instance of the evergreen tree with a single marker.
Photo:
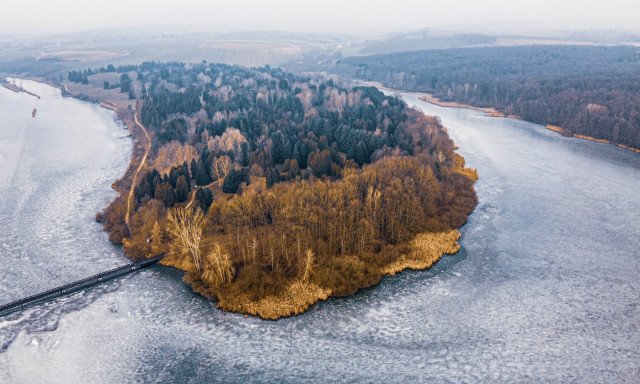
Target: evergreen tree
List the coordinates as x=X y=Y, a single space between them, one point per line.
x=155 y=182
x=296 y=151
x=182 y=191
x=125 y=83
x=204 y=199
x=244 y=154
x=164 y=193
x=184 y=171
x=173 y=176
x=232 y=181
x=194 y=169
x=360 y=154
x=202 y=176
x=280 y=148
x=273 y=176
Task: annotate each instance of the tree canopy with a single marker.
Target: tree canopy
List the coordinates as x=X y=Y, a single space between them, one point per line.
x=302 y=182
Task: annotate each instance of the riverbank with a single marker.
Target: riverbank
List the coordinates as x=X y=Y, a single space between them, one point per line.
x=429 y=98
x=124 y=113
x=127 y=115
x=563 y=132
x=18 y=89
x=142 y=142
x=492 y=112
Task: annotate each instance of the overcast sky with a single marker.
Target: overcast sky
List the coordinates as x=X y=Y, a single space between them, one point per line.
x=341 y=16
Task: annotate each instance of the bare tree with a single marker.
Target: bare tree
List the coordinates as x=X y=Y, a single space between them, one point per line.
x=254 y=247
x=219 y=270
x=185 y=226
x=308 y=263
x=221 y=167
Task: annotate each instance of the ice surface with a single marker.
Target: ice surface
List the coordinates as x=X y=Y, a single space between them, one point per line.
x=546 y=287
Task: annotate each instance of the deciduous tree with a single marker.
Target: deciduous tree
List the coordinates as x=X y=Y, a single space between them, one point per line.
x=185 y=228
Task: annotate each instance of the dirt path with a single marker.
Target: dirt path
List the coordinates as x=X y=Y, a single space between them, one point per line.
x=193 y=196
x=195 y=189
x=135 y=175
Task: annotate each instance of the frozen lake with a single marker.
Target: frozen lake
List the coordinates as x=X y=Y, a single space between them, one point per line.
x=545 y=288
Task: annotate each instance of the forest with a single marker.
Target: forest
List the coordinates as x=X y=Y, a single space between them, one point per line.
x=273 y=191
x=586 y=90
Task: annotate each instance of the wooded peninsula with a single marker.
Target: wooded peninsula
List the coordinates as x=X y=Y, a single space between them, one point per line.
x=273 y=191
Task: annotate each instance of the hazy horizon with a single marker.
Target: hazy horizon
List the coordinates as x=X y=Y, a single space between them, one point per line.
x=327 y=16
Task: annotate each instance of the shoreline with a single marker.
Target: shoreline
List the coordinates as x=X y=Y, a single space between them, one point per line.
x=18 y=89
x=300 y=295
x=127 y=117
x=492 y=112
x=563 y=132
x=429 y=98
x=141 y=145
x=297 y=297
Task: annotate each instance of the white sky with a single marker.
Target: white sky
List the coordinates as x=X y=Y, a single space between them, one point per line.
x=340 y=16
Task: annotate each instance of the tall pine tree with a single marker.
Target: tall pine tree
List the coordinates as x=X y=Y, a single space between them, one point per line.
x=202 y=176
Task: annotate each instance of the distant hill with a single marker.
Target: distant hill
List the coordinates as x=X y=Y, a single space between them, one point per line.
x=423 y=40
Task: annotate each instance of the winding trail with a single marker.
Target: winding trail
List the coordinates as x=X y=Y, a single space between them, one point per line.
x=135 y=175
x=195 y=189
x=193 y=197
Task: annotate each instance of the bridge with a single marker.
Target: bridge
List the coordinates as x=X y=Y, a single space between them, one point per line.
x=78 y=285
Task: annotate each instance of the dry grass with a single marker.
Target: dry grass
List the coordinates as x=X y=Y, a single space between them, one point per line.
x=555 y=128
x=292 y=300
x=469 y=173
x=300 y=294
x=459 y=168
x=427 y=249
x=178 y=261
x=636 y=150
x=585 y=137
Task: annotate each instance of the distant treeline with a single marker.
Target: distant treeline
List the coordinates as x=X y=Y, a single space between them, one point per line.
x=588 y=90
x=46 y=67
x=82 y=76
